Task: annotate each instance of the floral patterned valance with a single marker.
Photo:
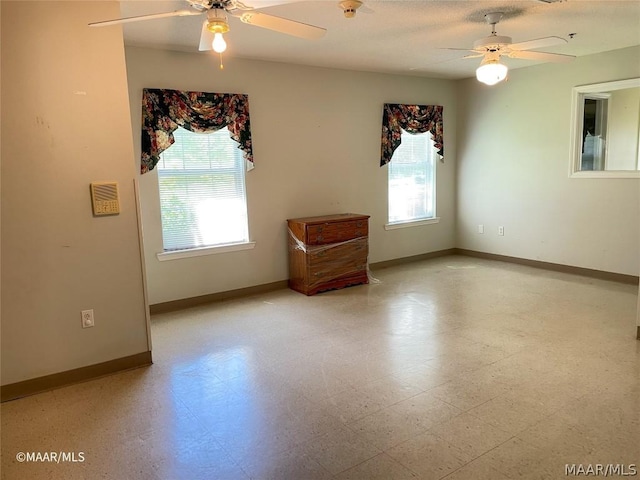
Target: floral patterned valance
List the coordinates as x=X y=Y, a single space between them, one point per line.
x=412 y=118
x=163 y=111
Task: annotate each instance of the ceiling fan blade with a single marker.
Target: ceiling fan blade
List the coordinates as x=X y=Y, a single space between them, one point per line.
x=282 y=25
x=462 y=50
x=446 y=60
x=459 y=49
x=538 y=43
x=543 y=56
x=206 y=38
x=140 y=18
x=258 y=4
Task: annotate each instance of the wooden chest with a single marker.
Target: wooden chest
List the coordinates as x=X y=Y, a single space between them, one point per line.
x=328 y=252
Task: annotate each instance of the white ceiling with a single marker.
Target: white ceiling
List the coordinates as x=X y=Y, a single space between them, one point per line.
x=400 y=36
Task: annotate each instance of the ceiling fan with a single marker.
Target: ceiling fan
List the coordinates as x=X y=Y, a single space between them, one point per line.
x=491 y=48
x=217 y=24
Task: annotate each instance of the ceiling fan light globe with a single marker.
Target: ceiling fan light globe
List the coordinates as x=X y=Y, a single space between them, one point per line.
x=491 y=72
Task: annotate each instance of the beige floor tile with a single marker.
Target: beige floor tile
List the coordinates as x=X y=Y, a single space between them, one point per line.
x=564 y=438
x=363 y=370
x=470 y=435
x=389 y=390
x=404 y=420
x=498 y=332
x=466 y=393
x=478 y=469
x=388 y=427
x=424 y=376
x=510 y=412
x=292 y=464
x=589 y=424
x=519 y=460
x=626 y=455
x=380 y=467
x=339 y=450
x=353 y=405
x=200 y=458
x=429 y=456
x=317 y=377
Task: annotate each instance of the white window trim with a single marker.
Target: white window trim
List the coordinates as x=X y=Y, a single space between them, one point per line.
x=202 y=251
x=411 y=223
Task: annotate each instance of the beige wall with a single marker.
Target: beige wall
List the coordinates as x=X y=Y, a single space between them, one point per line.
x=316 y=135
x=65 y=123
x=513 y=164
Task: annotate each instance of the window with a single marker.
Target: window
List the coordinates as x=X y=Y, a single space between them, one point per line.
x=202 y=191
x=412 y=179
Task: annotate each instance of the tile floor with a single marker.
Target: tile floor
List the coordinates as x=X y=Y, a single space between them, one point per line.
x=454 y=368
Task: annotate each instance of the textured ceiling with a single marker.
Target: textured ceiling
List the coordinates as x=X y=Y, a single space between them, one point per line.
x=399 y=36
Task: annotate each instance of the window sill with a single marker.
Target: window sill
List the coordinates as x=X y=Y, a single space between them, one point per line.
x=606 y=174
x=199 y=252
x=414 y=223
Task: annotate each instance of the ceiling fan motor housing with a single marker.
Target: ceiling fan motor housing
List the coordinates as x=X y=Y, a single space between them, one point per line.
x=492 y=43
x=201 y=5
x=349 y=7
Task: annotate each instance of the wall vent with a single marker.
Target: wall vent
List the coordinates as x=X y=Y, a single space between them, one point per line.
x=104 y=198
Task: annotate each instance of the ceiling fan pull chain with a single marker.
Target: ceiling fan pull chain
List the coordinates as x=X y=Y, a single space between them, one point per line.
x=221 y=65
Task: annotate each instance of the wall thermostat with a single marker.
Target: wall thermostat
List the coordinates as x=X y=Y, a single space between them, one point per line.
x=104 y=198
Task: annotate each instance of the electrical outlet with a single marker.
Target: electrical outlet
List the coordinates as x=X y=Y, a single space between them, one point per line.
x=87 y=318
x=501 y=231
x=480 y=228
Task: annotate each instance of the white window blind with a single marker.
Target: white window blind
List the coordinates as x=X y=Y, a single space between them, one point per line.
x=412 y=179
x=202 y=191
